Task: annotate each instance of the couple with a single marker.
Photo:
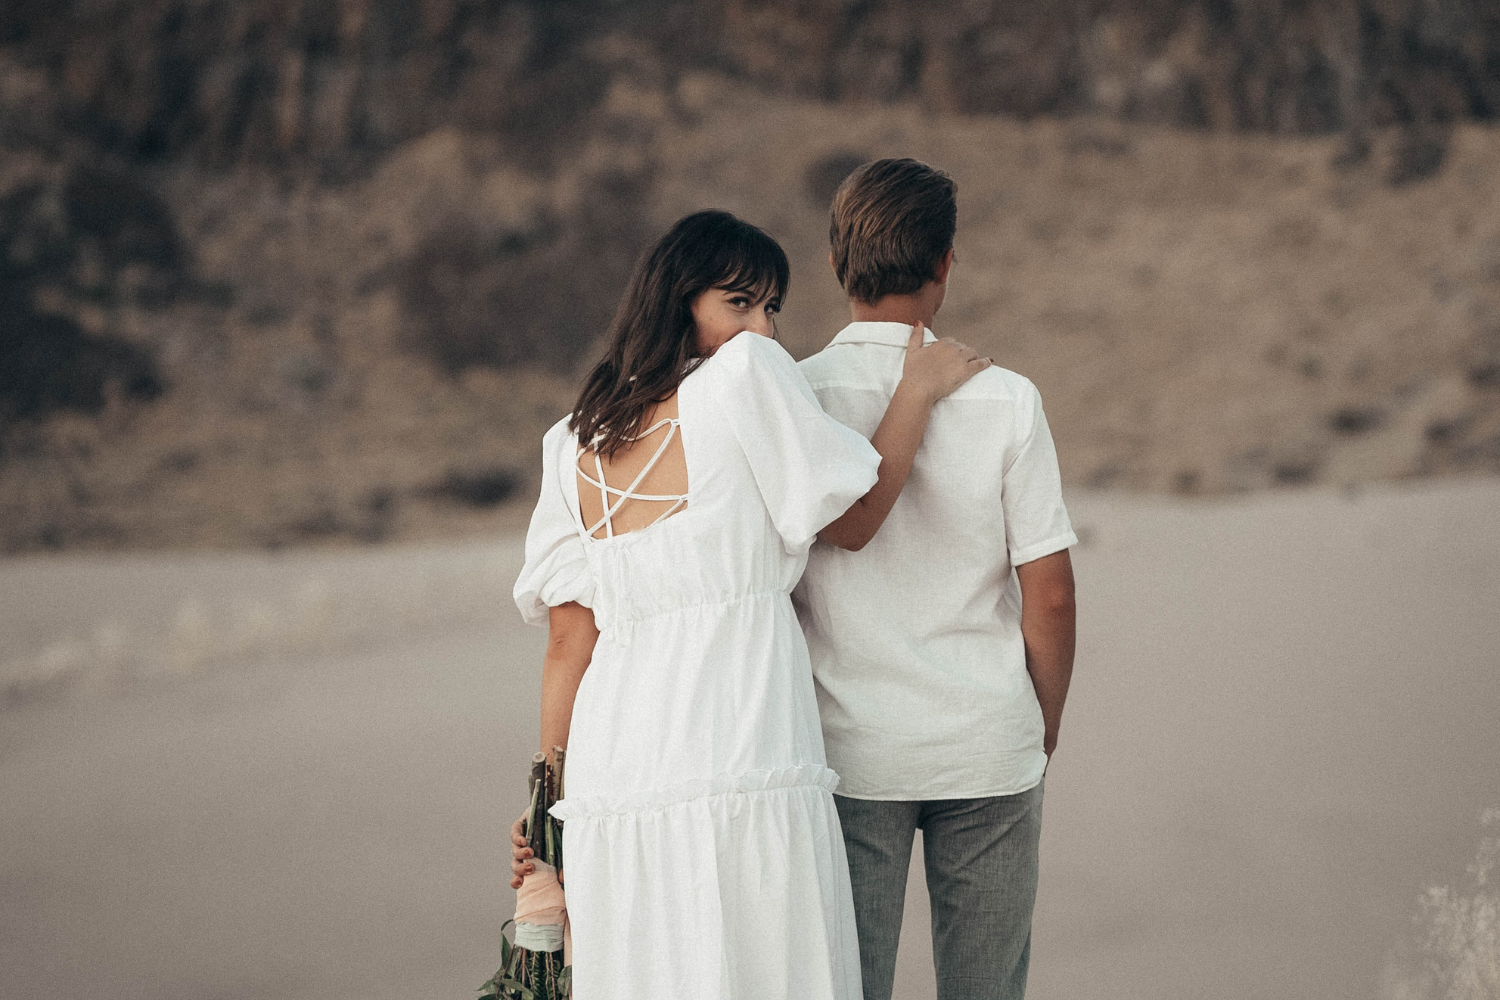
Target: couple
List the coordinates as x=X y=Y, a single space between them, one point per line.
x=672 y=556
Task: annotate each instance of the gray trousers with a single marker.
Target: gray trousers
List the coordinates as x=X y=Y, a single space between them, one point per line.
x=981 y=862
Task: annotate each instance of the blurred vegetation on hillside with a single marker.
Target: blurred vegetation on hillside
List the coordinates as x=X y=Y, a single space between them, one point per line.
x=282 y=271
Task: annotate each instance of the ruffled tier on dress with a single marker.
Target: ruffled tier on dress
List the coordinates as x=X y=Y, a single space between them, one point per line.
x=730 y=889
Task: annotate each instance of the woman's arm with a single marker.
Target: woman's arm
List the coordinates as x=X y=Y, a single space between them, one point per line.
x=571 y=637
x=930 y=373
x=570 y=646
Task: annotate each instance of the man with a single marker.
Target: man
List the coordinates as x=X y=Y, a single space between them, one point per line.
x=940 y=691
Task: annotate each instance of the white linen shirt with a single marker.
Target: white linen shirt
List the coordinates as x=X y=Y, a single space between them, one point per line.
x=916 y=643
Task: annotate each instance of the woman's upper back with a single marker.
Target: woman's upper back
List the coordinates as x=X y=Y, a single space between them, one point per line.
x=749 y=470
x=640 y=484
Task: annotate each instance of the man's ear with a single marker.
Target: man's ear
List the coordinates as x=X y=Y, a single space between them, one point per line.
x=940 y=273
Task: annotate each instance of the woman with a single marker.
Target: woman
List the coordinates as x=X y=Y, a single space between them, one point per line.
x=678 y=503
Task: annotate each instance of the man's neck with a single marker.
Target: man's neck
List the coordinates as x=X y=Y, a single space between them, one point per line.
x=908 y=309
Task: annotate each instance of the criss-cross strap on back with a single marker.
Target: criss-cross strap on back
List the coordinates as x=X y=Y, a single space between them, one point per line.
x=678 y=501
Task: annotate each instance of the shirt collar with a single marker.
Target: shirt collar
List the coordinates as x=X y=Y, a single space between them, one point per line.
x=889 y=334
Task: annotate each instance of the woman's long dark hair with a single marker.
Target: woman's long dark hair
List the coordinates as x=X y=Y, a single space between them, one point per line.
x=651 y=346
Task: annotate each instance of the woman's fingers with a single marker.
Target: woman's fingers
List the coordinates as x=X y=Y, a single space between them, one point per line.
x=973 y=360
x=515 y=883
x=969 y=360
x=914 y=342
x=940 y=367
x=519 y=867
x=964 y=349
x=965 y=352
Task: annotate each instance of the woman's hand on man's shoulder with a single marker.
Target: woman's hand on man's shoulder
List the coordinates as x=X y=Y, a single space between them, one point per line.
x=935 y=370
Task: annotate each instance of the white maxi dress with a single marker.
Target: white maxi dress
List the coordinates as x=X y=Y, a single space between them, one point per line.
x=702 y=851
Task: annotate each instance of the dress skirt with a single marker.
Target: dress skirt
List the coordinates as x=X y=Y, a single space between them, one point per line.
x=739 y=891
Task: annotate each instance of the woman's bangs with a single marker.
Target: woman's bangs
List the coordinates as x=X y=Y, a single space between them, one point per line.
x=755 y=266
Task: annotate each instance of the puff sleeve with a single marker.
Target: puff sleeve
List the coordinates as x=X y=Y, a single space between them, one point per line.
x=809 y=467
x=557 y=567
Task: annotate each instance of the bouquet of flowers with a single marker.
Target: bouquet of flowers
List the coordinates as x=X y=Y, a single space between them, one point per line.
x=534 y=966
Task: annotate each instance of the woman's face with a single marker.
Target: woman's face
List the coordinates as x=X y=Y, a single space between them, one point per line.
x=720 y=313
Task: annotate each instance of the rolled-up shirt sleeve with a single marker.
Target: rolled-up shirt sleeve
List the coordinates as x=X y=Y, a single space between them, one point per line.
x=1036 y=519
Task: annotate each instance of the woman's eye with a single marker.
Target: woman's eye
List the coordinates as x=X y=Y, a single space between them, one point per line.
x=772 y=308
x=740 y=302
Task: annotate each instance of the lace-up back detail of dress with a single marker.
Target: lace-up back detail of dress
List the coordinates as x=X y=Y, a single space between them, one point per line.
x=641 y=484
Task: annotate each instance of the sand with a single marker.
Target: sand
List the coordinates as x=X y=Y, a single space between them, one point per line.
x=287 y=776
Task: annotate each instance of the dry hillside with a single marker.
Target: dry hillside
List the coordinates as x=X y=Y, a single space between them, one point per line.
x=298 y=272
